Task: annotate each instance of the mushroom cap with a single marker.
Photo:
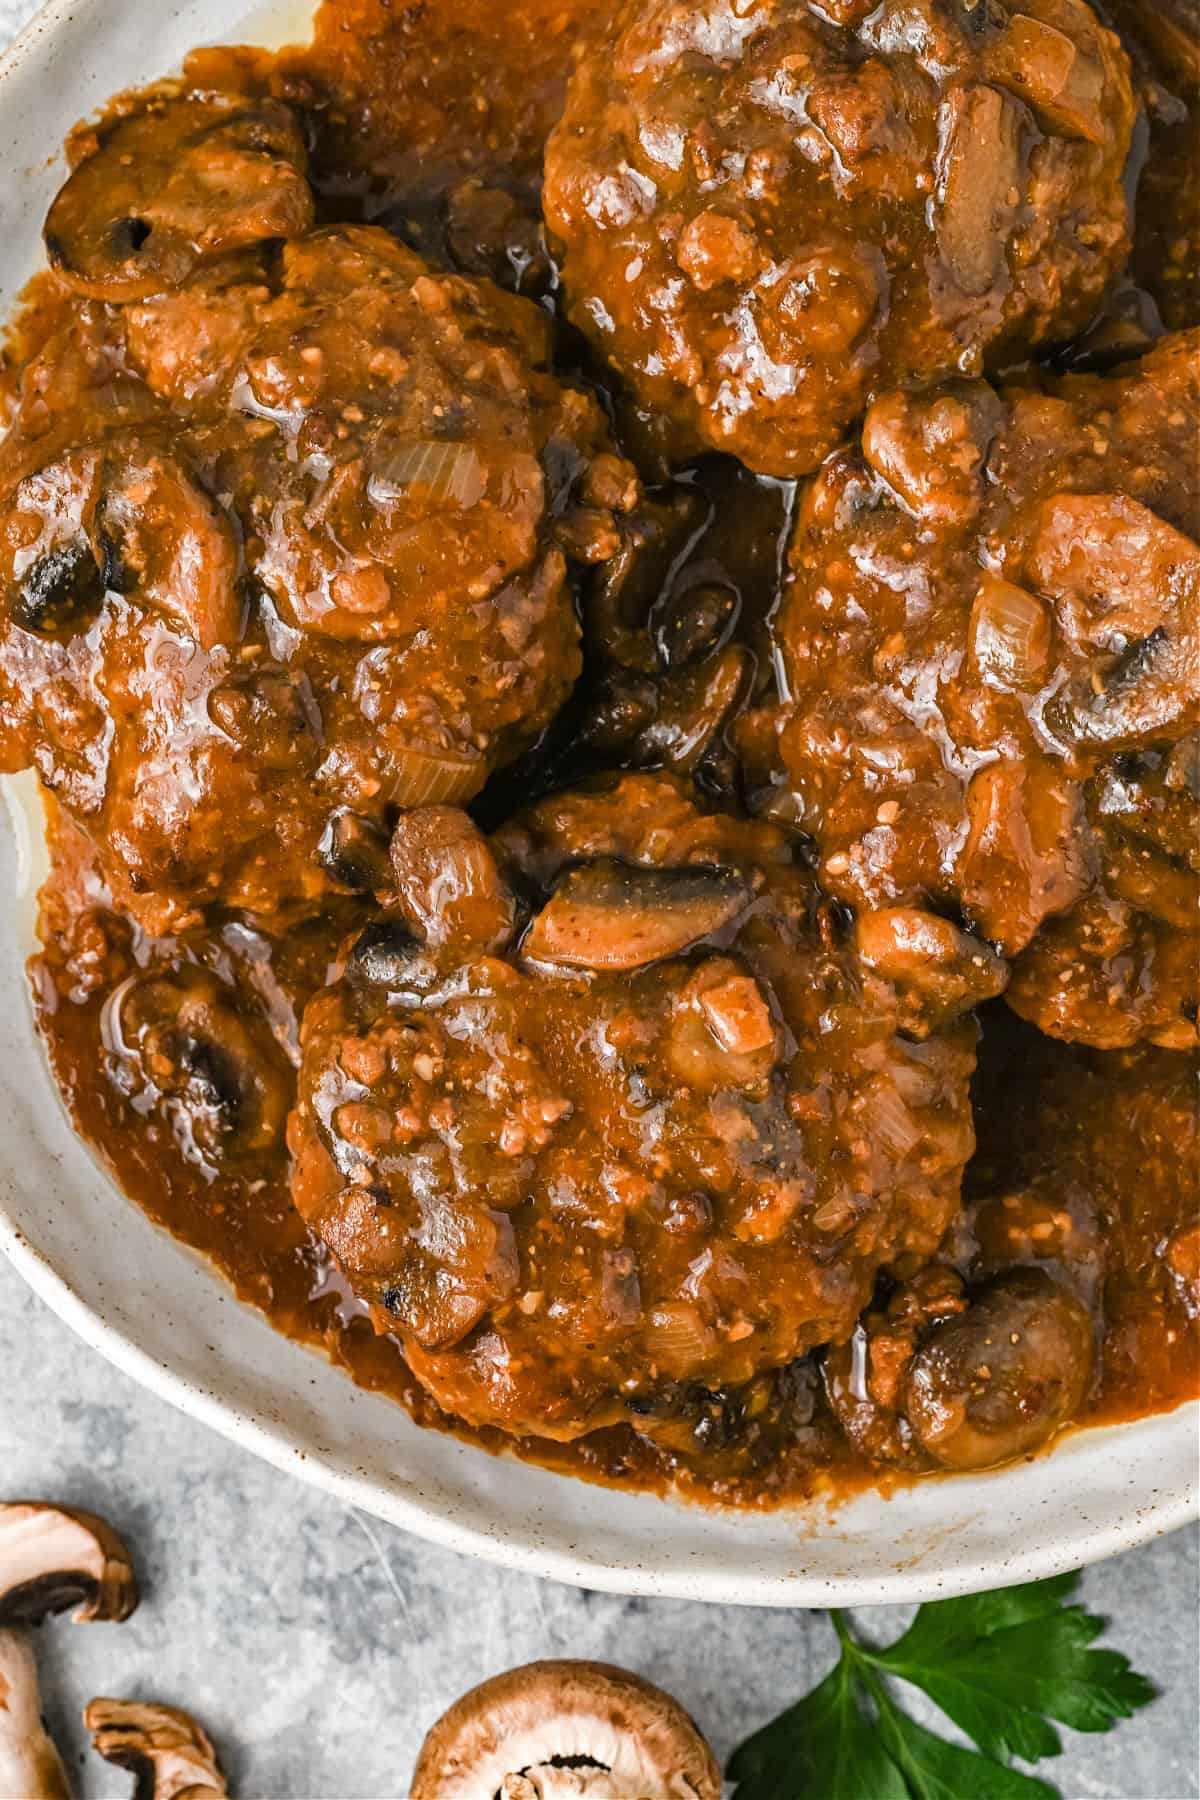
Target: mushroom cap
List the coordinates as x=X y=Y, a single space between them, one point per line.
x=169 y=1753
x=53 y=1557
x=568 y=1728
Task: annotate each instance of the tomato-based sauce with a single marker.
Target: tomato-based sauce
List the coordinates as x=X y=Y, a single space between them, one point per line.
x=684 y=968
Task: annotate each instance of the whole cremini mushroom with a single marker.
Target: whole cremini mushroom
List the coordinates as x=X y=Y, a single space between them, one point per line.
x=168 y=1752
x=565 y=1731
x=51 y=1557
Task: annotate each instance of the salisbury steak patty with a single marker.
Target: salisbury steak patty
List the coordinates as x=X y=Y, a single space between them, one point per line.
x=286 y=543
x=991 y=653
x=770 y=210
x=655 y=1125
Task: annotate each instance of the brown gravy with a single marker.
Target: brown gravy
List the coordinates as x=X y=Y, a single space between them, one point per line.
x=408 y=105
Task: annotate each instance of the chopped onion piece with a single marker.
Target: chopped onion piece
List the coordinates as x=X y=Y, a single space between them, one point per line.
x=677 y=1338
x=1010 y=633
x=428 y=470
x=126 y=398
x=893 y=1121
x=427 y=777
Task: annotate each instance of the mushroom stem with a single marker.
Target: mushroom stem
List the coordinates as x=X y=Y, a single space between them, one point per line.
x=166 y=1749
x=30 y=1766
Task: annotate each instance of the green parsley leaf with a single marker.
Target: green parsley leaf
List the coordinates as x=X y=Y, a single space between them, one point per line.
x=935 y=1769
x=1000 y=1665
x=823 y=1745
x=1003 y=1665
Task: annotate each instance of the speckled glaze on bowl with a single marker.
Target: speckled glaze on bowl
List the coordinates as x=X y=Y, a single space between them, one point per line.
x=167 y=1319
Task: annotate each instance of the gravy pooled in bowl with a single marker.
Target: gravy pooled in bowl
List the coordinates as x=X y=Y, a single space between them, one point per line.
x=621 y=765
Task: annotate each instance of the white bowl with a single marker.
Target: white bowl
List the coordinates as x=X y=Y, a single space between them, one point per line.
x=167 y=1319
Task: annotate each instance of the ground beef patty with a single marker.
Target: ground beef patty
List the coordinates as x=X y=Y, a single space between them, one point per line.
x=769 y=211
x=617 y=1114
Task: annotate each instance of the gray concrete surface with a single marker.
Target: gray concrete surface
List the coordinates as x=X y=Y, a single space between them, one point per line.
x=13 y=14
x=318 y=1644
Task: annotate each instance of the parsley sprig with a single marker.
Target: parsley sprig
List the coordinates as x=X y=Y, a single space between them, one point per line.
x=1000 y=1665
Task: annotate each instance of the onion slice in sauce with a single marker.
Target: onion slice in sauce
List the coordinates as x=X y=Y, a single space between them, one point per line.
x=1009 y=633
x=429 y=777
x=429 y=471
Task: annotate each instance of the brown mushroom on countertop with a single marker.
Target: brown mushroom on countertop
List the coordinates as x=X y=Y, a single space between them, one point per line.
x=30 y=1765
x=168 y=1752
x=561 y=1730
x=51 y=1557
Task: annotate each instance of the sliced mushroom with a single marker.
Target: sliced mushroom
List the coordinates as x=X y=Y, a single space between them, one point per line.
x=124 y=518
x=931 y=449
x=865 y=1377
x=179 y=1043
x=51 y=579
x=981 y=185
x=450 y=890
x=1126 y=587
x=168 y=187
x=354 y=852
x=30 y=1766
x=937 y=971
x=386 y=954
x=611 y=915
x=691 y=707
x=166 y=1749
x=696 y=622
x=51 y=1558
x=167 y=542
x=627 y=587
x=1003 y=1377
x=555 y=1730
x=1151 y=802
x=61 y=592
